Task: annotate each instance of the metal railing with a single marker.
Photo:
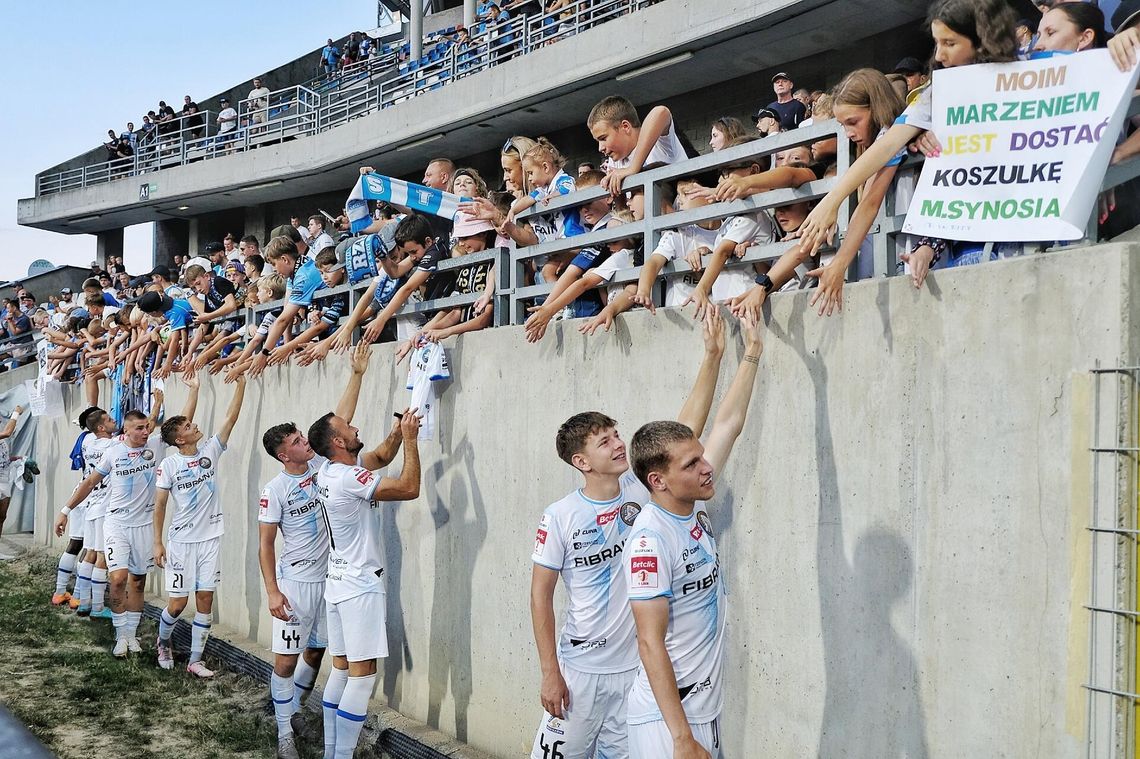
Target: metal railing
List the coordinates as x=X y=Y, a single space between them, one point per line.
x=328 y=102
x=514 y=291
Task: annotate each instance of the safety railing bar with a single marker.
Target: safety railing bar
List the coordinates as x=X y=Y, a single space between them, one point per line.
x=1112 y=692
x=587 y=240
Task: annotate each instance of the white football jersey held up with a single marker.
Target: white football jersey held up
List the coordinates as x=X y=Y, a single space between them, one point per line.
x=355 y=564
x=192 y=482
x=674 y=246
x=428 y=365
x=584 y=541
x=291 y=502
x=130 y=474
x=675 y=557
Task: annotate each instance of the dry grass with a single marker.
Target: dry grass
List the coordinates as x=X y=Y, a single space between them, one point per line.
x=57 y=675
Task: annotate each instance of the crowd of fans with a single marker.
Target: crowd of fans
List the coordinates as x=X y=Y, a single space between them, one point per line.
x=189 y=317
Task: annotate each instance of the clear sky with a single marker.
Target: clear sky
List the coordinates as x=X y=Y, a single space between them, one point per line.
x=77 y=69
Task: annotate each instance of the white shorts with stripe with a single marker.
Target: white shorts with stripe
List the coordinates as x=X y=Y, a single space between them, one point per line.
x=77 y=522
x=93 y=539
x=357 y=627
x=191 y=567
x=595 y=722
x=652 y=740
x=129 y=548
x=308 y=625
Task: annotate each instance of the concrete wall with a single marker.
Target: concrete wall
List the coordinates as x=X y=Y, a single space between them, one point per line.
x=50 y=282
x=900 y=526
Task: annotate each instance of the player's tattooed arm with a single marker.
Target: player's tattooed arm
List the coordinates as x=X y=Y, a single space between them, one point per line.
x=652 y=618
x=383 y=454
x=695 y=413
x=407 y=486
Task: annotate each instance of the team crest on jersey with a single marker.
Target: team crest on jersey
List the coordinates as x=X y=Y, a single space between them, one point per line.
x=629 y=511
x=205 y=463
x=147 y=454
x=540 y=541
x=643 y=571
x=363 y=476
x=704 y=521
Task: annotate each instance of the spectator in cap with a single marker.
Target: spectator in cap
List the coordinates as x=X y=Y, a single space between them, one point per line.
x=227 y=117
x=791 y=111
x=767 y=122
x=913 y=71
x=216 y=252
x=235 y=272
x=65 y=302
x=162 y=276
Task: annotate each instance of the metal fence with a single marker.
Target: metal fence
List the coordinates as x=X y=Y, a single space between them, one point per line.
x=329 y=101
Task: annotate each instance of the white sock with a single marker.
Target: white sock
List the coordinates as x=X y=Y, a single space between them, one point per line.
x=303 y=678
x=98 y=588
x=166 y=625
x=133 y=619
x=119 y=621
x=63 y=572
x=330 y=700
x=83 y=582
x=281 y=690
x=198 y=634
x=351 y=713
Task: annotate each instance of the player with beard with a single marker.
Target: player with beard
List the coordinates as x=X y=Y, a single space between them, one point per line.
x=580 y=539
x=295 y=584
x=350 y=495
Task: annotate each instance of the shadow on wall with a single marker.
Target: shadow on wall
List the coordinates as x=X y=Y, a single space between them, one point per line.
x=460 y=529
x=872 y=705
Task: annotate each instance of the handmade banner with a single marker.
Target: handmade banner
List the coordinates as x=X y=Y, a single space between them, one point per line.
x=1025 y=146
x=399 y=193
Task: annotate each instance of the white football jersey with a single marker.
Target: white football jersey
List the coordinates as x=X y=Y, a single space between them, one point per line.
x=131 y=473
x=290 y=501
x=674 y=246
x=675 y=557
x=193 y=486
x=355 y=563
x=667 y=149
x=93 y=450
x=584 y=540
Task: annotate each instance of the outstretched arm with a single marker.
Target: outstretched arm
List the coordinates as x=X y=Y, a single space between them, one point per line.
x=346 y=408
x=734 y=408
x=233 y=412
x=695 y=412
x=155 y=411
x=191 y=398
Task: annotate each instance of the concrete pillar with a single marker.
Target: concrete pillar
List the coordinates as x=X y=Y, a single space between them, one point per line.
x=468 y=13
x=417 y=32
x=171 y=237
x=109 y=243
x=255 y=224
x=193 y=239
